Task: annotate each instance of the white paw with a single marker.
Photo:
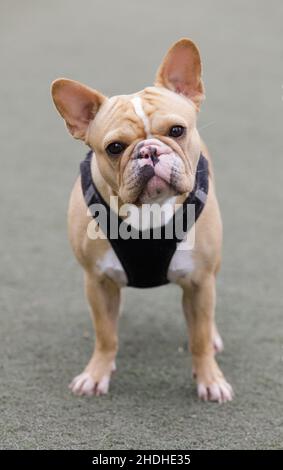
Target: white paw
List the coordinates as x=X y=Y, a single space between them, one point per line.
x=84 y=384
x=220 y=391
x=217 y=343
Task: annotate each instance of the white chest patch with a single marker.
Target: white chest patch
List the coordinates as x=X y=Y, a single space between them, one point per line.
x=150 y=215
x=111 y=266
x=137 y=104
x=182 y=263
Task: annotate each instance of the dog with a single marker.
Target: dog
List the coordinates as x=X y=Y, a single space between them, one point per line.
x=145 y=149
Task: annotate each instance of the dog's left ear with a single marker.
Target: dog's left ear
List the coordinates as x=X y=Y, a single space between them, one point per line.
x=77 y=104
x=180 y=71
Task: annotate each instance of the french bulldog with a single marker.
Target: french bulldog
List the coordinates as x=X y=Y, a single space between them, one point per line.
x=145 y=149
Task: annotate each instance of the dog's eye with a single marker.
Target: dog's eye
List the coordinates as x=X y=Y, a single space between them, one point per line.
x=115 y=148
x=176 y=131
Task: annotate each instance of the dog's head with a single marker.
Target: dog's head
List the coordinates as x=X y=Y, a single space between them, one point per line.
x=146 y=144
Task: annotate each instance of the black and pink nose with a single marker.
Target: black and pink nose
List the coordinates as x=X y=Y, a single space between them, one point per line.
x=151 y=150
x=148 y=152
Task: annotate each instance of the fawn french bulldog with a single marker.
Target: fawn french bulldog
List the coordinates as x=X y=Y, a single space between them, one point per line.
x=146 y=150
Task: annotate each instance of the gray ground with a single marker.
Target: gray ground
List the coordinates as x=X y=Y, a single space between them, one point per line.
x=45 y=328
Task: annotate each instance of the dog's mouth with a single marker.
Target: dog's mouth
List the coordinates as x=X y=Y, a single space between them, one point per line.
x=155 y=190
x=154 y=173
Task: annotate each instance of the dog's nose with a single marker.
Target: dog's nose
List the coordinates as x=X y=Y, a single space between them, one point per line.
x=149 y=152
x=154 y=157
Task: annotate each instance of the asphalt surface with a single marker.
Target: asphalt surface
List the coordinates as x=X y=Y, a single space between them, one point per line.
x=46 y=334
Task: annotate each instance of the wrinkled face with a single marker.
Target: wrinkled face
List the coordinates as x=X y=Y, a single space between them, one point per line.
x=146 y=145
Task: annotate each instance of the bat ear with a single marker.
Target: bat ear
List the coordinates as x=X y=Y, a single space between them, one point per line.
x=180 y=71
x=77 y=104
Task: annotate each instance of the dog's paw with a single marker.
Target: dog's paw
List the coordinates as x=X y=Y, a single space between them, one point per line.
x=217 y=342
x=84 y=384
x=88 y=385
x=220 y=391
x=211 y=384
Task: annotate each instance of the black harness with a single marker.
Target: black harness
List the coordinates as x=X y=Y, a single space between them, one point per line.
x=145 y=260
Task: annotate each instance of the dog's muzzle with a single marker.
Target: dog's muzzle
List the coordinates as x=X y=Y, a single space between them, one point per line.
x=157 y=164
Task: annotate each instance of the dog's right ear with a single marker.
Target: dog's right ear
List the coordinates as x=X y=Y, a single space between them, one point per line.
x=77 y=104
x=180 y=71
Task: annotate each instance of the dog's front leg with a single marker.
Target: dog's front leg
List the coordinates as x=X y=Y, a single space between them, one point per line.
x=104 y=299
x=199 y=304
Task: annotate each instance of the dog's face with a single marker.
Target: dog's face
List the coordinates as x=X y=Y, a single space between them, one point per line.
x=146 y=144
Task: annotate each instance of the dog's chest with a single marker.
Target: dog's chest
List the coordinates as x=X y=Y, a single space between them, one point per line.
x=111 y=266
x=182 y=264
